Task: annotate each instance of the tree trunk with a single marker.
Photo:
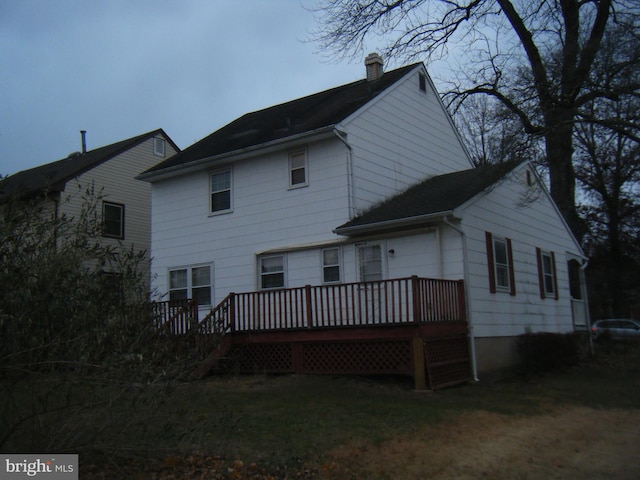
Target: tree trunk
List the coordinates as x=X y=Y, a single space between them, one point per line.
x=559 y=149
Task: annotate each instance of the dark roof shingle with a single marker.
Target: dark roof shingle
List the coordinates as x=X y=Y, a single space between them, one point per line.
x=289 y=119
x=436 y=195
x=53 y=176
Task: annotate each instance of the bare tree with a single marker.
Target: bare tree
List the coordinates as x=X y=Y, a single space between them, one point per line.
x=536 y=57
x=608 y=170
x=493 y=135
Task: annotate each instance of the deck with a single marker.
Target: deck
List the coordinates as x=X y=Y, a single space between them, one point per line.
x=407 y=326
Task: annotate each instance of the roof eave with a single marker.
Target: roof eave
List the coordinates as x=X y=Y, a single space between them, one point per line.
x=392 y=224
x=235 y=155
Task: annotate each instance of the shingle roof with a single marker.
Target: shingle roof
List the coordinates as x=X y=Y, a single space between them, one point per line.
x=53 y=176
x=438 y=195
x=289 y=119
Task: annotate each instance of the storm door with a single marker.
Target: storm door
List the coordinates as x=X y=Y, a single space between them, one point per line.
x=578 y=298
x=370 y=273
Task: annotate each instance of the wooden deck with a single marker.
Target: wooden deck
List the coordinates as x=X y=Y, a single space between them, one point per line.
x=408 y=326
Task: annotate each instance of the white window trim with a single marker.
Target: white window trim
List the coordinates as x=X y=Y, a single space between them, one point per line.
x=290 y=169
x=189 y=287
x=284 y=271
x=507 y=287
x=339 y=265
x=119 y=236
x=230 y=209
x=159 y=147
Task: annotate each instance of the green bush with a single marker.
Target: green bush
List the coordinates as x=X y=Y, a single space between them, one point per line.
x=542 y=352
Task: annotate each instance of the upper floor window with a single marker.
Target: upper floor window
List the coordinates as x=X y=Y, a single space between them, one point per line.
x=220 y=190
x=331 y=265
x=422 y=81
x=113 y=220
x=547 y=274
x=191 y=282
x=298 y=169
x=500 y=261
x=159 y=146
x=271 y=271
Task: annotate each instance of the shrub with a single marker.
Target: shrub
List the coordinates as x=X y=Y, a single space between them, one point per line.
x=543 y=352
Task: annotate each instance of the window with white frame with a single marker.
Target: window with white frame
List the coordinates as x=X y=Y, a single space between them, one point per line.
x=220 y=190
x=501 y=264
x=113 y=220
x=547 y=274
x=271 y=269
x=191 y=282
x=500 y=261
x=159 y=147
x=331 y=265
x=298 y=169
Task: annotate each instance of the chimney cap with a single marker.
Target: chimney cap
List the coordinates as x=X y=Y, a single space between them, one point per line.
x=374 y=64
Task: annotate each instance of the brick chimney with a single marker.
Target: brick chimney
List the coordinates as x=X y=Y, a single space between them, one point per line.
x=373 y=63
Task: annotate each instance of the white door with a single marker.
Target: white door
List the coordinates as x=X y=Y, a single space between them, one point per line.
x=578 y=298
x=370 y=269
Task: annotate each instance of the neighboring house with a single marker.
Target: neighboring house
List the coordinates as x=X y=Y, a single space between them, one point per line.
x=109 y=172
x=362 y=183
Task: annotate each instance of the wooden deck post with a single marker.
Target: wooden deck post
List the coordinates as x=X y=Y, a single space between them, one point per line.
x=419 y=373
x=462 y=304
x=309 y=305
x=415 y=294
x=232 y=311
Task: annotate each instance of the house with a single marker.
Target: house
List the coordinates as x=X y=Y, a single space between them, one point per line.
x=366 y=184
x=109 y=172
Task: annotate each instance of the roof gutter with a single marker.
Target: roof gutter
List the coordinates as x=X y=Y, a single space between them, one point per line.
x=392 y=224
x=235 y=155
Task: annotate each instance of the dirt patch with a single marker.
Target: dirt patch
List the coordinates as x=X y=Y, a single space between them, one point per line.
x=567 y=443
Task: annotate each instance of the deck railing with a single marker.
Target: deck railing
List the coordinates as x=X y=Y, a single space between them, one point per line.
x=384 y=302
x=175 y=316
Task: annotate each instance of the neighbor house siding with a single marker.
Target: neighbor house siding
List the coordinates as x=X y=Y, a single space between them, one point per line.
x=401 y=137
x=114 y=181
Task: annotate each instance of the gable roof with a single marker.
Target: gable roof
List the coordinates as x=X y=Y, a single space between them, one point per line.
x=52 y=177
x=304 y=115
x=435 y=197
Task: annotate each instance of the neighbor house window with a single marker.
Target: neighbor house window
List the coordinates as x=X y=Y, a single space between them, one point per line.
x=159 y=147
x=220 y=192
x=547 y=274
x=500 y=262
x=331 y=265
x=191 y=282
x=272 y=271
x=113 y=220
x=298 y=169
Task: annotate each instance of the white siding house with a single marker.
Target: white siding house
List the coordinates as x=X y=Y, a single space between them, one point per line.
x=367 y=181
x=110 y=173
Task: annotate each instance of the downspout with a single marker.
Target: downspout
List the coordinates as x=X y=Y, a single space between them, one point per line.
x=585 y=295
x=472 y=340
x=349 y=172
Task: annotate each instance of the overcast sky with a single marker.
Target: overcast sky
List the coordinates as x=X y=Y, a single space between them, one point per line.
x=119 y=68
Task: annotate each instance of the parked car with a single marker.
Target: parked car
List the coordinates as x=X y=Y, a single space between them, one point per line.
x=616 y=329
